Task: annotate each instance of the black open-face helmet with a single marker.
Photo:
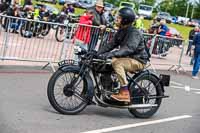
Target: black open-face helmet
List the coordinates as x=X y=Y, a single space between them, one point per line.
x=128 y=15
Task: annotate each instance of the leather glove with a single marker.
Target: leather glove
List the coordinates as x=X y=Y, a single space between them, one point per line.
x=106 y=56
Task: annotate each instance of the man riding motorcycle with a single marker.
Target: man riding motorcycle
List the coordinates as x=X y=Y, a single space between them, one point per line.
x=131 y=55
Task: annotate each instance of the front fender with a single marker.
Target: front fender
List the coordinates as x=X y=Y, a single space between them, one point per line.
x=87 y=78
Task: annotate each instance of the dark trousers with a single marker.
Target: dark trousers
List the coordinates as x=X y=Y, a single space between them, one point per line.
x=189 y=48
x=196 y=65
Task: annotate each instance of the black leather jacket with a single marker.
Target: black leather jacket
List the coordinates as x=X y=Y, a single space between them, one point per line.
x=131 y=45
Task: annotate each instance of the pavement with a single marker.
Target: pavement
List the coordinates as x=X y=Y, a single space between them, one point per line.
x=25 y=108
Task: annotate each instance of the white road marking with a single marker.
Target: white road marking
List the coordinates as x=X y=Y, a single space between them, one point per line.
x=138 y=124
x=197 y=92
x=195 y=89
x=178 y=87
x=186 y=88
x=176 y=83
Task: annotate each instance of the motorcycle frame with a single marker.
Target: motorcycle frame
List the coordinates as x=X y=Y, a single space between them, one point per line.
x=86 y=69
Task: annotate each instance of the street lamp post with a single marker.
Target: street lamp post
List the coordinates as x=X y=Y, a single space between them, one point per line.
x=174 y=7
x=188 y=6
x=192 y=15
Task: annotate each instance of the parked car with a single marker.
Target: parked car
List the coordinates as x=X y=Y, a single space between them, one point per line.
x=173 y=32
x=108 y=6
x=174 y=19
x=193 y=23
x=145 y=10
x=164 y=15
x=85 y=4
x=49 y=1
x=62 y=2
x=49 y=8
x=127 y=4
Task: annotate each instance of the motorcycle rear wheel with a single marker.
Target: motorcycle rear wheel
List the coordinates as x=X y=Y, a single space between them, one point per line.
x=153 y=87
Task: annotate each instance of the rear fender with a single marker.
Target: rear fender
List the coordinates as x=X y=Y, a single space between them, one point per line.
x=147 y=72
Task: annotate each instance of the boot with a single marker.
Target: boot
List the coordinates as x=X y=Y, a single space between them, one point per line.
x=122 y=96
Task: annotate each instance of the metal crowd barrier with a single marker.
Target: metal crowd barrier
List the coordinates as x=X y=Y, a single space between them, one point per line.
x=56 y=44
x=164 y=43
x=31 y=40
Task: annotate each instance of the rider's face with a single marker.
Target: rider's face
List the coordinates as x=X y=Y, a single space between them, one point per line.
x=99 y=9
x=118 y=21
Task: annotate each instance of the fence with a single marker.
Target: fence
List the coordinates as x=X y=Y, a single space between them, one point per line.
x=40 y=41
x=165 y=47
x=52 y=42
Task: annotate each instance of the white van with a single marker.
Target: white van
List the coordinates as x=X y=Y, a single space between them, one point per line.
x=146 y=11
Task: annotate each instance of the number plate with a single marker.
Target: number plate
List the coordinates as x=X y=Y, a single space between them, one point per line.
x=66 y=62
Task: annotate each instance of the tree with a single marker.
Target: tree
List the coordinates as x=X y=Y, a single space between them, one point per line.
x=176 y=7
x=197 y=9
x=150 y=2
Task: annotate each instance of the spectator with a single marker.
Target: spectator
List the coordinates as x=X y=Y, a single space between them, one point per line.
x=162 y=30
x=139 y=23
x=14 y=24
x=4 y=4
x=196 y=42
x=98 y=20
x=71 y=8
x=154 y=27
x=68 y=8
x=83 y=32
x=65 y=8
x=191 y=37
x=28 y=5
x=82 y=36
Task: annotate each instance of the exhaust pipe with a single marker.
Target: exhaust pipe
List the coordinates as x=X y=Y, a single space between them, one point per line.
x=142 y=106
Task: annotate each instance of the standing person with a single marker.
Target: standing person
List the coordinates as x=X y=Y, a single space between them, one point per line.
x=154 y=27
x=139 y=23
x=71 y=8
x=28 y=5
x=131 y=55
x=98 y=20
x=196 y=42
x=191 y=37
x=4 y=4
x=65 y=8
x=82 y=36
x=162 y=30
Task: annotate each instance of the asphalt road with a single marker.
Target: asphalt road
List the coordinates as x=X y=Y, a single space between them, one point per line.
x=24 y=108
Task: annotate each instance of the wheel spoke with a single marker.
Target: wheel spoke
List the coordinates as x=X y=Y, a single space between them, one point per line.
x=64 y=99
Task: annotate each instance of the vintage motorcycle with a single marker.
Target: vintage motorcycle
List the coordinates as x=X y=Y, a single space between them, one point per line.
x=92 y=80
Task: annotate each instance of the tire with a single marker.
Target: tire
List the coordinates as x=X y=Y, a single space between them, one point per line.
x=22 y=29
x=46 y=31
x=55 y=103
x=58 y=34
x=135 y=91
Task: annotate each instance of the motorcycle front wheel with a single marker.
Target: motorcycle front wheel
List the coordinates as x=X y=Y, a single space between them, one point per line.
x=62 y=97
